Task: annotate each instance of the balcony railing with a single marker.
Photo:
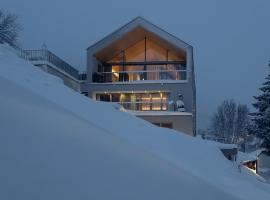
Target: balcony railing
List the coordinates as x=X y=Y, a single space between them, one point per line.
x=133 y=76
x=45 y=55
x=150 y=75
x=132 y=72
x=146 y=106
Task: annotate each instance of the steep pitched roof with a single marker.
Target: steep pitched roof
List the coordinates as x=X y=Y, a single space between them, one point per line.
x=135 y=25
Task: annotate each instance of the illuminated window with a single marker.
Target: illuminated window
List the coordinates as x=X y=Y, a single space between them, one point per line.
x=145 y=61
x=154 y=52
x=152 y=101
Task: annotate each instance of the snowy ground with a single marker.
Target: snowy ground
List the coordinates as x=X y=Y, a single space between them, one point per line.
x=266 y=176
x=58 y=144
x=265 y=173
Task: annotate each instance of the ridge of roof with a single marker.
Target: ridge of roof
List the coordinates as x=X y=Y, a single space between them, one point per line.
x=139 y=20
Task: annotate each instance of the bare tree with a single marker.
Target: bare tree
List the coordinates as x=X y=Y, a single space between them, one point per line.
x=230 y=122
x=242 y=122
x=9 y=28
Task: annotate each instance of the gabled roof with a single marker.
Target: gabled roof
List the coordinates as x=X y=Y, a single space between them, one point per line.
x=247 y=157
x=137 y=27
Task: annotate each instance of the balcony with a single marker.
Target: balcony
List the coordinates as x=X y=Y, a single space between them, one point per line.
x=46 y=55
x=139 y=101
x=138 y=72
x=145 y=106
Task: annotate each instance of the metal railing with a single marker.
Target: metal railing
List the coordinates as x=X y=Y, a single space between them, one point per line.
x=141 y=71
x=83 y=76
x=46 y=55
x=146 y=106
x=149 y=75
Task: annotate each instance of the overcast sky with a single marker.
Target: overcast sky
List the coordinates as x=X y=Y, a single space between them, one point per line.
x=231 y=38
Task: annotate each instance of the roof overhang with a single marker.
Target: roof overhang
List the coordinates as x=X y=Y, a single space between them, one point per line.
x=133 y=32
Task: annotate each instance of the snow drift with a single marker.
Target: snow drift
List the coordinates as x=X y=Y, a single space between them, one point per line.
x=58 y=144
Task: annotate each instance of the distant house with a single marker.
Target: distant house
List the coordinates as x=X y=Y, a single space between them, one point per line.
x=230 y=151
x=258 y=161
x=263 y=162
x=146 y=70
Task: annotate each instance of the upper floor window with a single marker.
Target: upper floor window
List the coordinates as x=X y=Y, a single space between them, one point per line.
x=144 y=61
x=146 y=50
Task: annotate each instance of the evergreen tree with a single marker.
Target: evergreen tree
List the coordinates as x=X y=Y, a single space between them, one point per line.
x=261 y=117
x=8 y=28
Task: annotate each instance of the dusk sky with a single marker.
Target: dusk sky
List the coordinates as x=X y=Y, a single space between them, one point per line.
x=231 y=38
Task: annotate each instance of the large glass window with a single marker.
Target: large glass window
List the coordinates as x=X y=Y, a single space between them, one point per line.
x=148 y=101
x=146 y=50
x=144 y=61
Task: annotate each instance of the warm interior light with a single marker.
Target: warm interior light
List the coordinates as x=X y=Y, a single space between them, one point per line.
x=143 y=101
x=115 y=72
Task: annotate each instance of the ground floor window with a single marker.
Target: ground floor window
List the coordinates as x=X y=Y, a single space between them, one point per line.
x=85 y=93
x=164 y=125
x=147 y=101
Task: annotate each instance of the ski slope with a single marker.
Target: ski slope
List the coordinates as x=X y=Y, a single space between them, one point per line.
x=58 y=144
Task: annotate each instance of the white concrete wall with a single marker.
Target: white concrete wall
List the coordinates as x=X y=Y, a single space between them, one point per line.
x=182 y=123
x=68 y=81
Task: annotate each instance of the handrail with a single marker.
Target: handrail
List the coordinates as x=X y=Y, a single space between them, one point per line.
x=141 y=71
x=46 y=55
x=130 y=102
x=183 y=63
x=151 y=105
x=147 y=75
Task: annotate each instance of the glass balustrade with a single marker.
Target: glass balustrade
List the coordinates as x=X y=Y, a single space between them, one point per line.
x=137 y=73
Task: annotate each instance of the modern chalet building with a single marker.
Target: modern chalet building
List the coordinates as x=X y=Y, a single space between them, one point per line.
x=145 y=69
x=139 y=66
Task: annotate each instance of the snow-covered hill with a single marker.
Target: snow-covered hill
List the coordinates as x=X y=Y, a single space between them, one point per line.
x=58 y=144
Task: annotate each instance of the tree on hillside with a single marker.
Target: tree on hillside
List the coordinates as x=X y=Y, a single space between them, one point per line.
x=9 y=28
x=261 y=117
x=230 y=121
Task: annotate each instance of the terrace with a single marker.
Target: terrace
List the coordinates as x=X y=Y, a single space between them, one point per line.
x=44 y=55
x=139 y=101
x=139 y=71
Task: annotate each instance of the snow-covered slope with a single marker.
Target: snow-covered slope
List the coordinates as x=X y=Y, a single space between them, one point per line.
x=58 y=144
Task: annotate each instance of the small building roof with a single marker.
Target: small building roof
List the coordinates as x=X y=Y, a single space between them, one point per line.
x=247 y=157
